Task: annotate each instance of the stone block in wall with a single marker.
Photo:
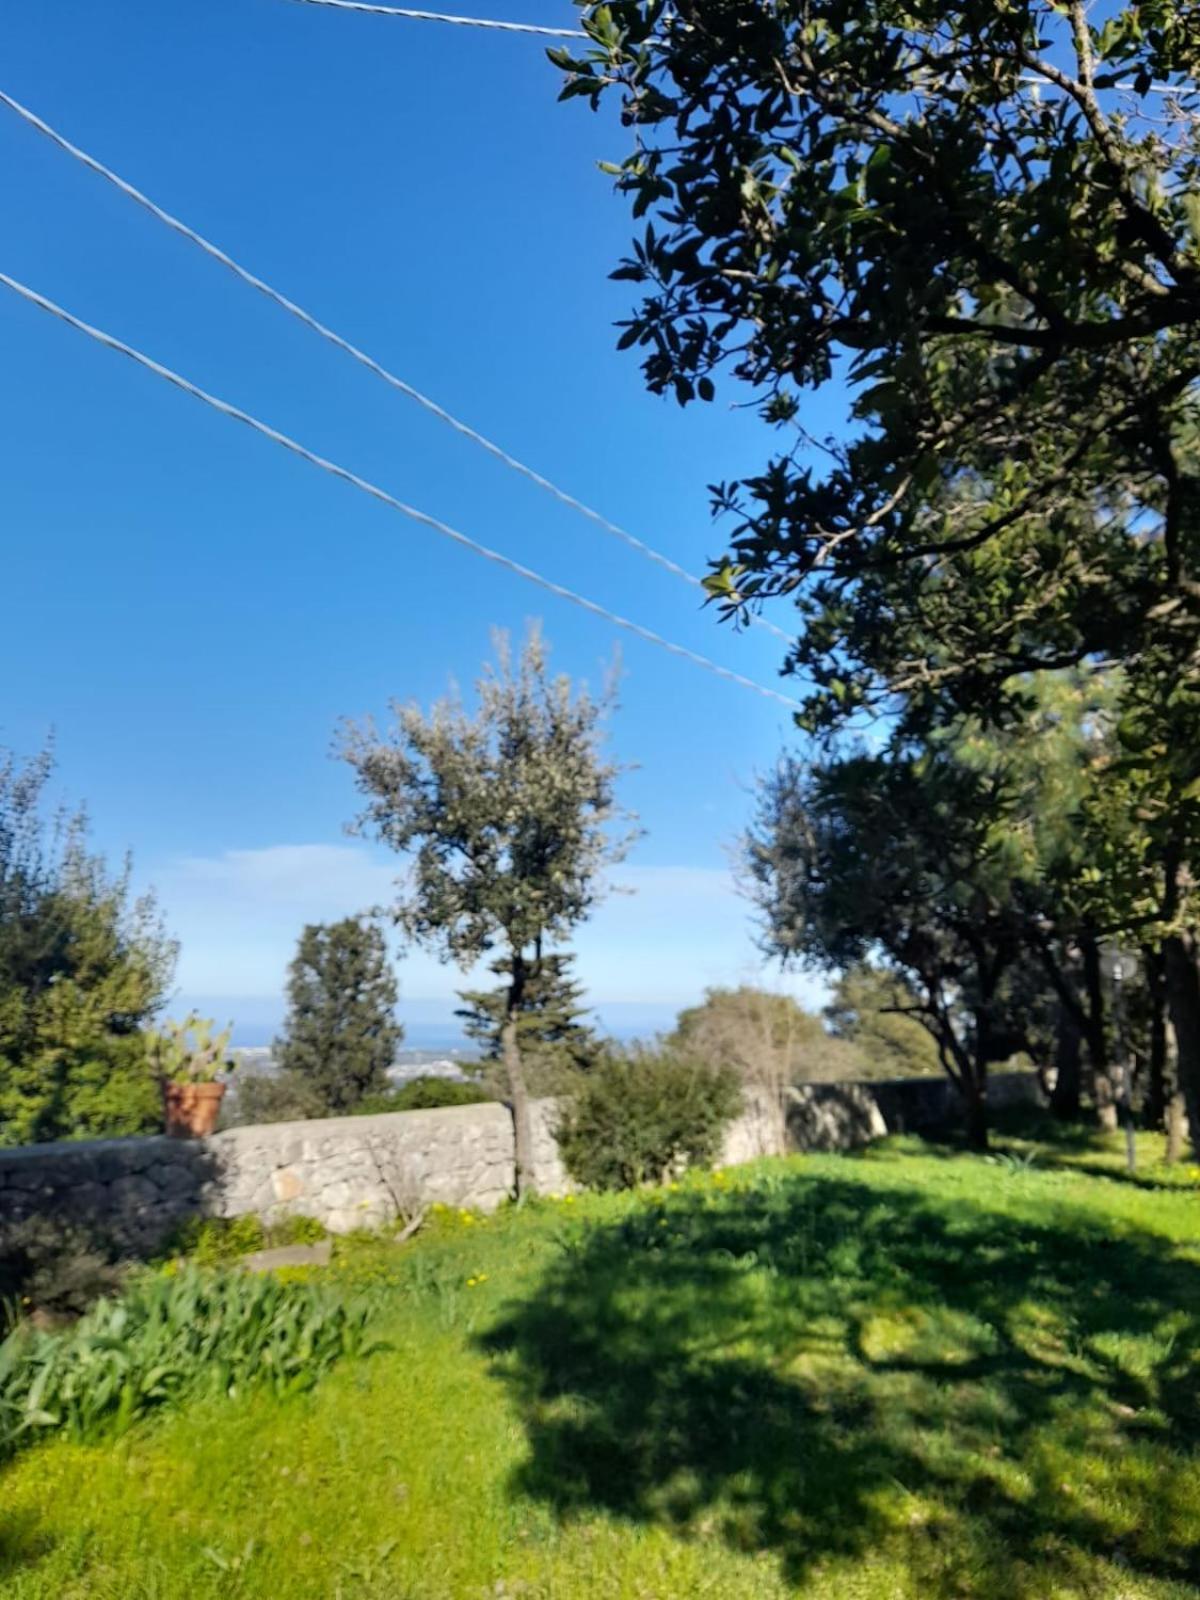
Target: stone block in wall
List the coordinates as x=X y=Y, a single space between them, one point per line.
x=549 y=1174
x=758 y=1130
x=287 y=1183
x=353 y=1171
x=173 y=1179
x=833 y=1116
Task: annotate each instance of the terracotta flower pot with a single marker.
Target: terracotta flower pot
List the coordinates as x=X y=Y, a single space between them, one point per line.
x=190 y=1110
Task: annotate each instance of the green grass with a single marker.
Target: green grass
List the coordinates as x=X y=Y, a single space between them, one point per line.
x=912 y=1373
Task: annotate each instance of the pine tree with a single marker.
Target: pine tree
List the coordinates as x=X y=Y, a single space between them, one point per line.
x=341 y=1032
x=552 y=1038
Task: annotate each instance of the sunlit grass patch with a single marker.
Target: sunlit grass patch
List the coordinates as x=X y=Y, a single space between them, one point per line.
x=899 y=1376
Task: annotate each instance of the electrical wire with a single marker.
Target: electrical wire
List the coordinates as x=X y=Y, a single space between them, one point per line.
x=438 y=16
x=237 y=415
x=566 y=33
x=215 y=253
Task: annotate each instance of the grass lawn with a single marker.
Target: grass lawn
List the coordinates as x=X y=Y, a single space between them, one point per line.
x=908 y=1373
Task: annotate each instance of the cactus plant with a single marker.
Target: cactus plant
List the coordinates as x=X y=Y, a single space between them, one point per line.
x=191 y=1051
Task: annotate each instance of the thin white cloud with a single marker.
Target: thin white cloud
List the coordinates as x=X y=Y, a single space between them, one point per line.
x=300 y=875
x=238 y=915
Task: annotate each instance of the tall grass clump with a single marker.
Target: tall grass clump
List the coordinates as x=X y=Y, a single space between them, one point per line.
x=222 y=1241
x=170 y=1337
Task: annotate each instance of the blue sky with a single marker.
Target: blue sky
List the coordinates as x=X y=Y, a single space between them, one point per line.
x=191 y=611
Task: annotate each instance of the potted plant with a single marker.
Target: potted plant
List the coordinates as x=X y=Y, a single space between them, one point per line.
x=187 y=1058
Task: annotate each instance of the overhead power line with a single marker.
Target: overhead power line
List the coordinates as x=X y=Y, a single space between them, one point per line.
x=573 y=33
x=330 y=336
x=438 y=16
x=226 y=409
x=578 y=33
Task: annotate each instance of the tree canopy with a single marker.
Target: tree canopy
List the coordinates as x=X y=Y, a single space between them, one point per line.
x=888 y=201
x=987 y=870
x=975 y=229
x=871 y=1009
x=84 y=966
x=867 y=854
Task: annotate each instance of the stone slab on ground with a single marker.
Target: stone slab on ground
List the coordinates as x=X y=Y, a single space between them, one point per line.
x=289 y=1255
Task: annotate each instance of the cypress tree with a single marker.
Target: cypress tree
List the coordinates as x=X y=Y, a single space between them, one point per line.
x=341 y=1032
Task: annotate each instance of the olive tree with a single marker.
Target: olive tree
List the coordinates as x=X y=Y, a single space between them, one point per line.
x=505 y=815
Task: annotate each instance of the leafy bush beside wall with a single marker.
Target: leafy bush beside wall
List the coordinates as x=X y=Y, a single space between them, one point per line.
x=84 y=966
x=639 y=1116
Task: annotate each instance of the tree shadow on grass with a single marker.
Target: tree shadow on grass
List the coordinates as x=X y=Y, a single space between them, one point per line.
x=1073 y=1147
x=23 y=1542
x=1083 y=1147
x=823 y=1369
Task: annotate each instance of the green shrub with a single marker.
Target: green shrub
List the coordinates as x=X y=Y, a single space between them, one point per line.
x=423 y=1094
x=282 y=1097
x=53 y=1267
x=295 y=1230
x=639 y=1116
x=170 y=1337
x=220 y=1241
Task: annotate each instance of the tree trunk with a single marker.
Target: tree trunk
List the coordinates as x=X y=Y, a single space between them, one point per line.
x=1177 y=1128
x=1104 y=1093
x=975 y=1071
x=975 y=1090
x=1175 y=1120
x=1159 y=1087
x=1068 y=1068
x=514 y=1072
x=1183 y=997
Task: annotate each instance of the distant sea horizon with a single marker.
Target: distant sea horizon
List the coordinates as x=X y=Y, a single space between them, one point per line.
x=428 y=1025
x=417 y=1036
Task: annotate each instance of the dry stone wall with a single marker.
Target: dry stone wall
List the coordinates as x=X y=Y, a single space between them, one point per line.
x=133 y=1191
x=351 y=1172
